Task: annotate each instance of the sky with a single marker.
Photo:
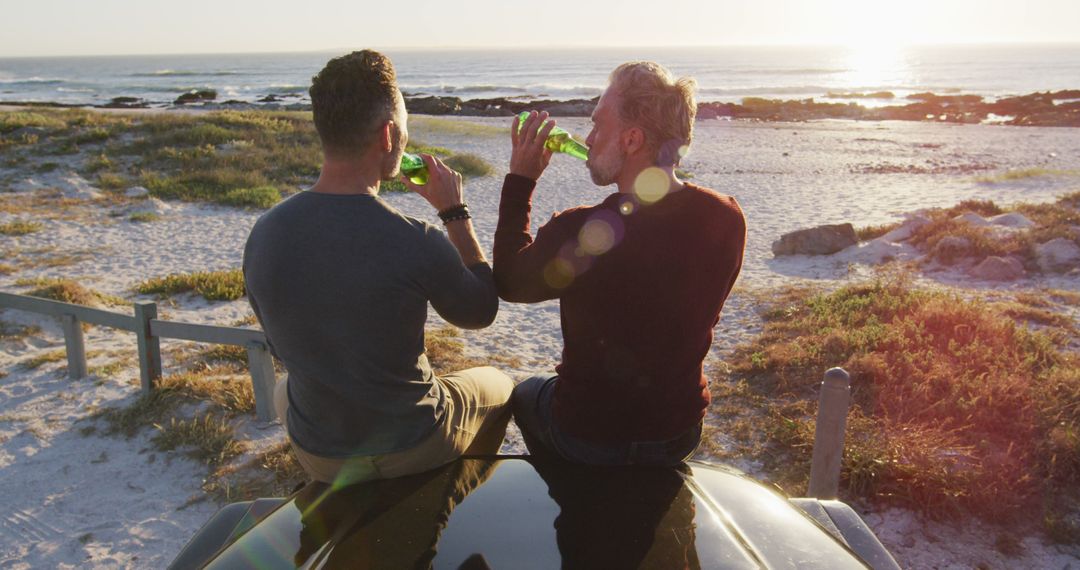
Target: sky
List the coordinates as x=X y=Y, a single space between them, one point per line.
x=104 y=27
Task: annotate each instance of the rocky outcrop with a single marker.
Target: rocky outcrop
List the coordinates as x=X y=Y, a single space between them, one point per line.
x=996 y=268
x=951 y=248
x=1012 y=220
x=1035 y=109
x=196 y=96
x=126 y=103
x=1059 y=255
x=821 y=240
x=907 y=229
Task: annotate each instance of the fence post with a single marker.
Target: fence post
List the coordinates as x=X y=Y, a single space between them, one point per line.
x=149 y=345
x=261 y=365
x=75 y=345
x=829 y=434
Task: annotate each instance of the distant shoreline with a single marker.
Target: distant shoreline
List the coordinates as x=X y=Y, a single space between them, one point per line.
x=1044 y=109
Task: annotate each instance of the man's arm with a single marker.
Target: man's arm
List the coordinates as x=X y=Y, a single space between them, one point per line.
x=527 y=271
x=459 y=281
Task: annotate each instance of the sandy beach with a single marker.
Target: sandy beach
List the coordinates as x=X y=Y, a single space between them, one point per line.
x=75 y=500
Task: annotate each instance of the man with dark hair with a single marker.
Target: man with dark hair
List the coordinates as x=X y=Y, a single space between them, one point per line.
x=641 y=278
x=340 y=282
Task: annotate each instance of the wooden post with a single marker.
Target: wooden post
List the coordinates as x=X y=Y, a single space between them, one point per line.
x=149 y=345
x=829 y=434
x=76 y=346
x=261 y=365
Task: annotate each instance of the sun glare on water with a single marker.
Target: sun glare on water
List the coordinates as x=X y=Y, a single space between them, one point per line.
x=876 y=65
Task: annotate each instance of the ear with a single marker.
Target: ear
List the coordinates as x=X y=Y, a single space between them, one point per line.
x=386 y=139
x=633 y=140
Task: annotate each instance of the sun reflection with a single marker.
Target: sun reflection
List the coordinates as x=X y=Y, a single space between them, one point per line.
x=876 y=65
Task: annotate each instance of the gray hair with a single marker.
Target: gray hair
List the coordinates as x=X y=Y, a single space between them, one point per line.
x=662 y=106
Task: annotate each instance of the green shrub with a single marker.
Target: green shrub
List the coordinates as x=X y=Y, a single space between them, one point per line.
x=143 y=217
x=469 y=165
x=212 y=285
x=260 y=197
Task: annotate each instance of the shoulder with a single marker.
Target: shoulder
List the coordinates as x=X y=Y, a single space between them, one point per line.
x=578 y=215
x=715 y=203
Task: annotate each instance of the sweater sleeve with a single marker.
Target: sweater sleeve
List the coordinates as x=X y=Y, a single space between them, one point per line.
x=464 y=296
x=528 y=270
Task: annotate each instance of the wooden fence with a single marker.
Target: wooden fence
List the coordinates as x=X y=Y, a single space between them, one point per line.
x=149 y=330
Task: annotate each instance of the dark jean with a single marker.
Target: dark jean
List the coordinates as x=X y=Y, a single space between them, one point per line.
x=531 y=401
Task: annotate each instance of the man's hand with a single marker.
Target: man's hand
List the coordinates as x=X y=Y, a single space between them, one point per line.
x=443 y=188
x=529 y=158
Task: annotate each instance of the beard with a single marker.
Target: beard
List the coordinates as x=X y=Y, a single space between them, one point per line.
x=605 y=167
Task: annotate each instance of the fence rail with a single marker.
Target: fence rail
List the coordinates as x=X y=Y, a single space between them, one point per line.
x=149 y=330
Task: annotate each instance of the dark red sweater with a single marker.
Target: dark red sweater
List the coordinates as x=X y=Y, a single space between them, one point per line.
x=640 y=289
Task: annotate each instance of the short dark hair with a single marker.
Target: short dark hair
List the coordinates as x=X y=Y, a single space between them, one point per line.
x=351 y=98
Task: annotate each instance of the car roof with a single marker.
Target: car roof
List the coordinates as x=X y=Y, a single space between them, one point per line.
x=514 y=512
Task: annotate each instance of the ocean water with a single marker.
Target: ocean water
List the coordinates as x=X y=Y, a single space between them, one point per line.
x=723 y=73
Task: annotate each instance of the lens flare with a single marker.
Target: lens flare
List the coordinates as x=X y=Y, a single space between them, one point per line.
x=596 y=237
x=558 y=273
x=651 y=185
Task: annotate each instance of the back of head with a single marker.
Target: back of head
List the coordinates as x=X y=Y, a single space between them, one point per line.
x=662 y=106
x=351 y=98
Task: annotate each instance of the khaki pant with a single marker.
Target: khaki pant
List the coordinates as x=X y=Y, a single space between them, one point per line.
x=476 y=412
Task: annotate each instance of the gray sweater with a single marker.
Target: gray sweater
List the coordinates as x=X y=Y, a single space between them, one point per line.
x=341 y=284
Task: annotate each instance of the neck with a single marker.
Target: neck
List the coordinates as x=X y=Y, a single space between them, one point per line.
x=629 y=178
x=348 y=176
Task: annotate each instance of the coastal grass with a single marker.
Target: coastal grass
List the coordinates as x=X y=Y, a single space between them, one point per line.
x=144 y=217
x=272 y=473
x=428 y=126
x=44 y=358
x=225 y=395
x=1024 y=174
x=207 y=438
x=245 y=159
x=69 y=291
x=20 y=227
x=469 y=165
x=868 y=233
x=211 y=285
x=957 y=409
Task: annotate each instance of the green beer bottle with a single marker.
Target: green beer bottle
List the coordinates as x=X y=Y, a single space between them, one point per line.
x=413 y=167
x=559 y=140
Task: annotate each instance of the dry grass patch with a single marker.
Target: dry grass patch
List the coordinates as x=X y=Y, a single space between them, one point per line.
x=225 y=396
x=470 y=165
x=868 y=233
x=68 y=291
x=426 y=126
x=20 y=228
x=956 y=409
x=273 y=473
x=212 y=285
x=1025 y=174
x=446 y=352
x=208 y=438
x=39 y=360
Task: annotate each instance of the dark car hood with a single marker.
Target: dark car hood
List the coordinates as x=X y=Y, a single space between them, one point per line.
x=503 y=512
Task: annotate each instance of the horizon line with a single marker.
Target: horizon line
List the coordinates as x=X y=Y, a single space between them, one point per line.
x=519 y=48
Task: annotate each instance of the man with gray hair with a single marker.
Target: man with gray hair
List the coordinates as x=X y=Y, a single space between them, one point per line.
x=640 y=277
x=341 y=282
